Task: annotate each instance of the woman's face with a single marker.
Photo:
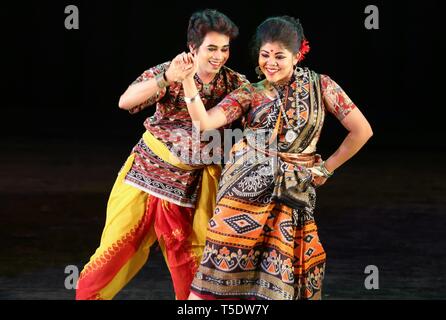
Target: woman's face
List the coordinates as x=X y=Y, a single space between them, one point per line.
x=212 y=53
x=276 y=62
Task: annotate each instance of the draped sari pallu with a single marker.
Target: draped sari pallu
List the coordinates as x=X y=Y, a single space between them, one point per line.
x=258 y=247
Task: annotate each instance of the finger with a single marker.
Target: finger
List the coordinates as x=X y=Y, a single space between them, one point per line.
x=187 y=68
x=178 y=57
x=190 y=57
x=187 y=65
x=185 y=57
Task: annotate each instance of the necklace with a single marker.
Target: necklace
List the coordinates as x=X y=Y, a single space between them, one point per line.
x=291 y=133
x=207 y=89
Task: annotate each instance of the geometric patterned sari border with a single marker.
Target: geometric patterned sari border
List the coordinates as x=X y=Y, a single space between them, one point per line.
x=257 y=284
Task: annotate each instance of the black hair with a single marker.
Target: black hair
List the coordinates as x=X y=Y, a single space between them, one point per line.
x=284 y=29
x=202 y=22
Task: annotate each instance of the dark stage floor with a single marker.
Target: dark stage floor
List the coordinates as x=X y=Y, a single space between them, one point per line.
x=384 y=208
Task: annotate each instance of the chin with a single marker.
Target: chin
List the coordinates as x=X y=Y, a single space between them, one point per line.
x=278 y=78
x=212 y=70
x=273 y=79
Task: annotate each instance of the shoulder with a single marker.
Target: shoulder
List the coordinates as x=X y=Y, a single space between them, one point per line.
x=252 y=91
x=159 y=67
x=258 y=86
x=235 y=76
x=324 y=77
x=327 y=83
x=153 y=72
x=314 y=74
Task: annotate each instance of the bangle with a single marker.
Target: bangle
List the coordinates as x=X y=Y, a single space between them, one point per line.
x=190 y=100
x=161 y=80
x=325 y=171
x=165 y=78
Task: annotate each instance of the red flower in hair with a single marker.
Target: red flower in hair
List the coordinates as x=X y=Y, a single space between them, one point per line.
x=304 y=49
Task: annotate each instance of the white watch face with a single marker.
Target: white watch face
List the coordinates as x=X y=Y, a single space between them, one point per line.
x=290 y=136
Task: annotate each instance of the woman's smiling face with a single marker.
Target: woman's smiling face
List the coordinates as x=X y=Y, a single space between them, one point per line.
x=276 y=62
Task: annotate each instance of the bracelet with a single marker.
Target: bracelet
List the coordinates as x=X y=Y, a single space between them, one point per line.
x=190 y=100
x=165 y=77
x=324 y=170
x=161 y=80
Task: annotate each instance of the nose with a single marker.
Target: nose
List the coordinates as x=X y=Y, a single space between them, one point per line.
x=218 y=55
x=272 y=62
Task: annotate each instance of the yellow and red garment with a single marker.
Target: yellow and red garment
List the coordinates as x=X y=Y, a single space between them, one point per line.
x=136 y=220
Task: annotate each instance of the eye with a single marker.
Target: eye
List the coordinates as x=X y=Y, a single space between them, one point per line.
x=264 y=55
x=211 y=49
x=280 y=57
x=225 y=50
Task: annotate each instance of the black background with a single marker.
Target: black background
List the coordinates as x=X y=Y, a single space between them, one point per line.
x=66 y=83
x=64 y=138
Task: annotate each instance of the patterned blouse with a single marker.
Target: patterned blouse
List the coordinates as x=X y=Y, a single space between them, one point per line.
x=172 y=125
x=248 y=98
x=238 y=102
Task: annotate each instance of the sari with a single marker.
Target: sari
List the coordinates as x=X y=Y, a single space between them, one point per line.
x=257 y=247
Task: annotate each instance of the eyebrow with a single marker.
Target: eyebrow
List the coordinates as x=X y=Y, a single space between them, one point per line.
x=279 y=52
x=214 y=46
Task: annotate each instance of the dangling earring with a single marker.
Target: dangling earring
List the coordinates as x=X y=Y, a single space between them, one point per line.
x=259 y=72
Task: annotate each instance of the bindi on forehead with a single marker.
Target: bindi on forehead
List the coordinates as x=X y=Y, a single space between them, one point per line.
x=272 y=48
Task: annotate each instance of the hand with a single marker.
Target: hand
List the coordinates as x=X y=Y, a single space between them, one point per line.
x=318 y=181
x=179 y=67
x=193 y=70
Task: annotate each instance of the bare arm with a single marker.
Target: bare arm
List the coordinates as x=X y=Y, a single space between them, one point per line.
x=139 y=93
x=202 y=119
x=359 y=129
x=360 y=132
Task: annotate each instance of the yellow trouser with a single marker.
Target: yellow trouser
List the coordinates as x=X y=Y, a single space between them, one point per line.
x=135 y=220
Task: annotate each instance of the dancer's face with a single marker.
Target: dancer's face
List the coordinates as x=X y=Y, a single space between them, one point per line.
x=276 y=62
x=213 y=53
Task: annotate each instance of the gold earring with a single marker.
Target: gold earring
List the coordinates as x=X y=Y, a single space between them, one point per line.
x=259 y=72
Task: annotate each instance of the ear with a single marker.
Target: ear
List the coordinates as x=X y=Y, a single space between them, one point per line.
x=296 y=58
x=192 y=49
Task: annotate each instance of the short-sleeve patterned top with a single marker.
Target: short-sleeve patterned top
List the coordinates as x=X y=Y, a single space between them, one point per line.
x=249 y=98
x=257 y=247
x=172 y=125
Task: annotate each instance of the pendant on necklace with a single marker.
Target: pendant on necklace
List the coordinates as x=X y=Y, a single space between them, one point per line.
x=290 y=136
x=207 y=89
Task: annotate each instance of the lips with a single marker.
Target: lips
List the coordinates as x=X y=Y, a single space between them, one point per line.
x=271 y=71
x=215 y=64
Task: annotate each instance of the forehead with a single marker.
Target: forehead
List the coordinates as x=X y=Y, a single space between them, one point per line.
x=274 y=47
x=215 y=39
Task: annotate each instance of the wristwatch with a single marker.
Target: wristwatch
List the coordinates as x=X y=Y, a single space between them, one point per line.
x=190 y=100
